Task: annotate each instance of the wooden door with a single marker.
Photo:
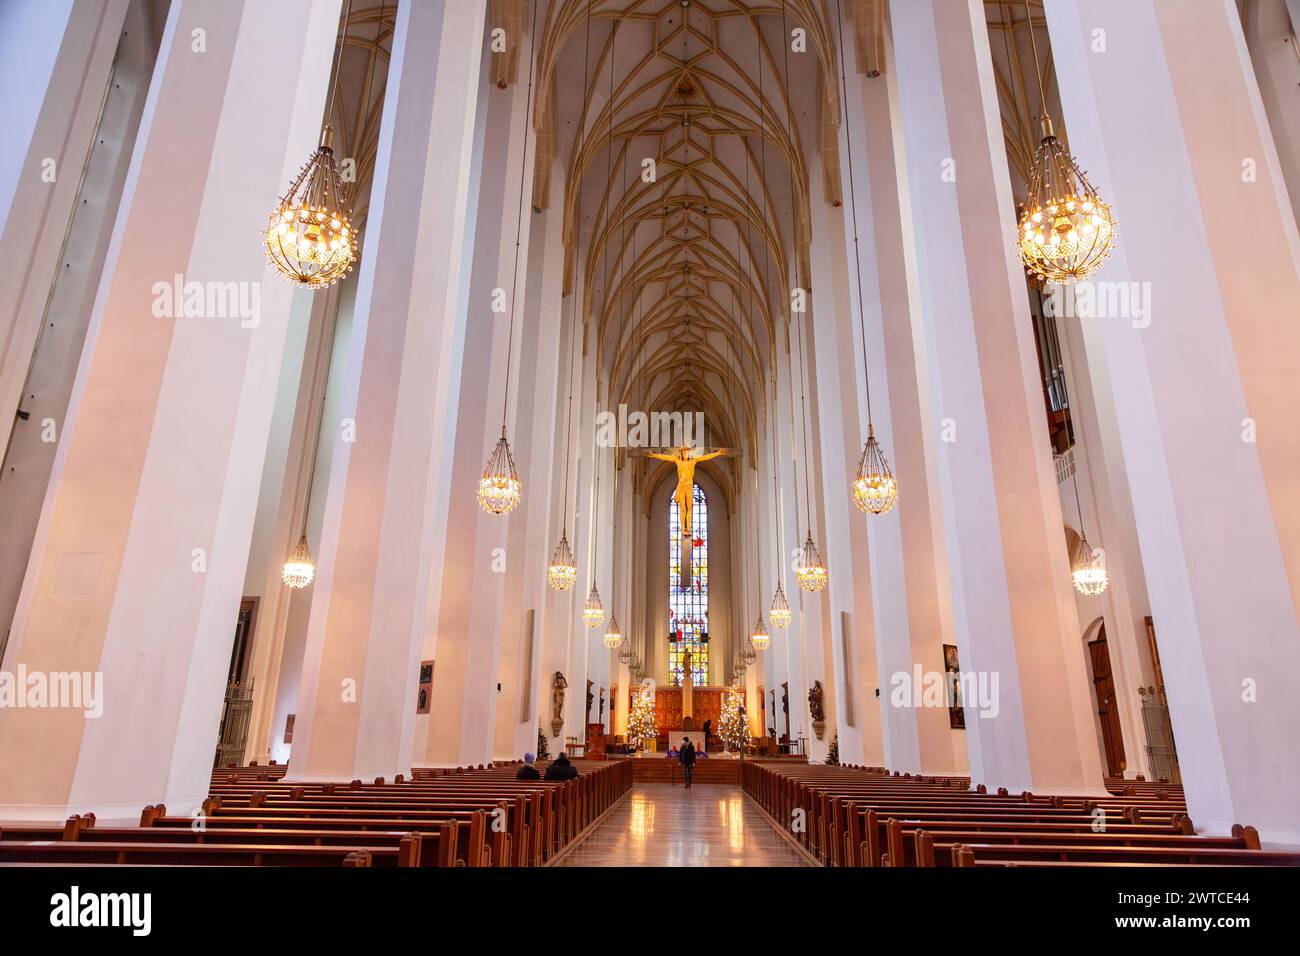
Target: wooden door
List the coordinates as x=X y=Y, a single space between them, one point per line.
x=1103 y=683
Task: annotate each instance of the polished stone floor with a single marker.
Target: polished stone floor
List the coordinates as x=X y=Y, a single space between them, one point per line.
x=663 y=825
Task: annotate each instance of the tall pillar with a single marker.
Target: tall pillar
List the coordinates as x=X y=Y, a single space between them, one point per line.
x=842 y=416
x=56 y=58
x=139 y=558
x=911 y=597
x=466 y=639
x=390 y=482
x=1015 y=615
x=1205 y=384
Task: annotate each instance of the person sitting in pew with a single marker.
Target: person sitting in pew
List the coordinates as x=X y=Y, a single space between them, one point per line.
x=561 y=769
x=528 y=771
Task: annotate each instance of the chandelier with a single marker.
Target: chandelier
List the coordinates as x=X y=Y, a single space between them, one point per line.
x=780 y=610
x=874 y=490
x=1066 y=230
x=1089 y=569
x=625 y=652
x=593 y=612
x=499 y=488
x=759 y=638
x=811 y=572
x=299 y=569
x=562 y=571
x=612 y=636
x=310 y=239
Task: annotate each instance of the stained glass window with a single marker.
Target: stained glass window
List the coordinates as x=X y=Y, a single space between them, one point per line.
x=688 y=601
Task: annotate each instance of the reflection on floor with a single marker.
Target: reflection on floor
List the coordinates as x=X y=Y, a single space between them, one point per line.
x=662 y=825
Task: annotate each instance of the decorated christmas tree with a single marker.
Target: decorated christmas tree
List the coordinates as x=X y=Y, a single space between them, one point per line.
x=731 y=725
x=833 y=755
x=543 y=751
x=641 y=727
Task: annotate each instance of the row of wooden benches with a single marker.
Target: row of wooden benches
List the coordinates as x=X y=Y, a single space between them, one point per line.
x=865 y=817
x=476 y=818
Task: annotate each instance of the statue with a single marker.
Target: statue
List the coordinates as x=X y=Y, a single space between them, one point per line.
x=685 y=458
x=558 y=684
x=817 y=708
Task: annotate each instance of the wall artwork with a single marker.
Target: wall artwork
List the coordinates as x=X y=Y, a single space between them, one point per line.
x=952 y=687
x=425 y=696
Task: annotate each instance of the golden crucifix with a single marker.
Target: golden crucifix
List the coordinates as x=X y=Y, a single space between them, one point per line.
x=686 y=458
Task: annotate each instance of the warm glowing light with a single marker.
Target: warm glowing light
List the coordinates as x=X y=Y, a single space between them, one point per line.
x=1066 y=231
x=562 y=571
x=1089 y=569
x=811 y=573
x=593 y=612
x=759 y=638
x=309 y=238
x=613 y=638
x=780 y=609
x=299 y=569
x=875 y=490
x=499 y=489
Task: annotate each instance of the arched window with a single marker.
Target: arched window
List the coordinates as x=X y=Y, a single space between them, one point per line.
x=688 y=601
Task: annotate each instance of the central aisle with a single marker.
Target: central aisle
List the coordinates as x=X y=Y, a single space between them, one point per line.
x=664 y=825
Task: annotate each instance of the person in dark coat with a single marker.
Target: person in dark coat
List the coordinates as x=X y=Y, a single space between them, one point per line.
x=686 y=755
x=528 y=771
x=708 y=732
x=561 y=769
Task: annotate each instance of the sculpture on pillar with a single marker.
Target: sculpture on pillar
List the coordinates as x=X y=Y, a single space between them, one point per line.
x=817 y=708
x=558 y=684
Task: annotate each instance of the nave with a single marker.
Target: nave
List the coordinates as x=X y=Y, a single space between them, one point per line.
x=660 y=824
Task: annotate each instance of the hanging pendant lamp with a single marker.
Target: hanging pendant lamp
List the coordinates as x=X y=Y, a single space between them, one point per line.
x=780 y=610
x=1089 y=569
x=309 y=238
x=613 y=636
x=811 y=573
x=562 y=572
x=760 y=638
x=299 y=569
x=593 y=612
x=499 y=489
x=875 y=490
x=1066 y=230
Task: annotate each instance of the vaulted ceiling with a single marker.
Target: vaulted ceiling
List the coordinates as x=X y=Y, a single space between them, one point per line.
x=684 y=131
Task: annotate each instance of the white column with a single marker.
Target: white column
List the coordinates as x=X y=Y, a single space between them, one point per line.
x=1014 y=608
x=139 y=558
x=1205 y=383
x=911 y=597
x=466 y=640
x=56 y=57
x=841 y=404
x=390 y=478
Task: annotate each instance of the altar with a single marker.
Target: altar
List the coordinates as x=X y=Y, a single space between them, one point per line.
x=706 y=704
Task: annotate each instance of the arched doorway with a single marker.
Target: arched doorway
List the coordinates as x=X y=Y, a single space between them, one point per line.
x=1103 y=687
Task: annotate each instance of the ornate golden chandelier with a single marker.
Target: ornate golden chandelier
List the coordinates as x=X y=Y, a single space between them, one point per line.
x=780 y=610
x=299 y=568
x=875 y=490
x=593 y=612
x=562 y=571
x=811 y=573
x=1066 y=230
x=499 y=489
x=309 y=238
x=1089 y=569
x=759 y=638
x=613 y=637
x=625 y=652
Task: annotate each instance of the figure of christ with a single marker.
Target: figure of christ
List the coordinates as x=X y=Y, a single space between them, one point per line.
x=686 y=458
